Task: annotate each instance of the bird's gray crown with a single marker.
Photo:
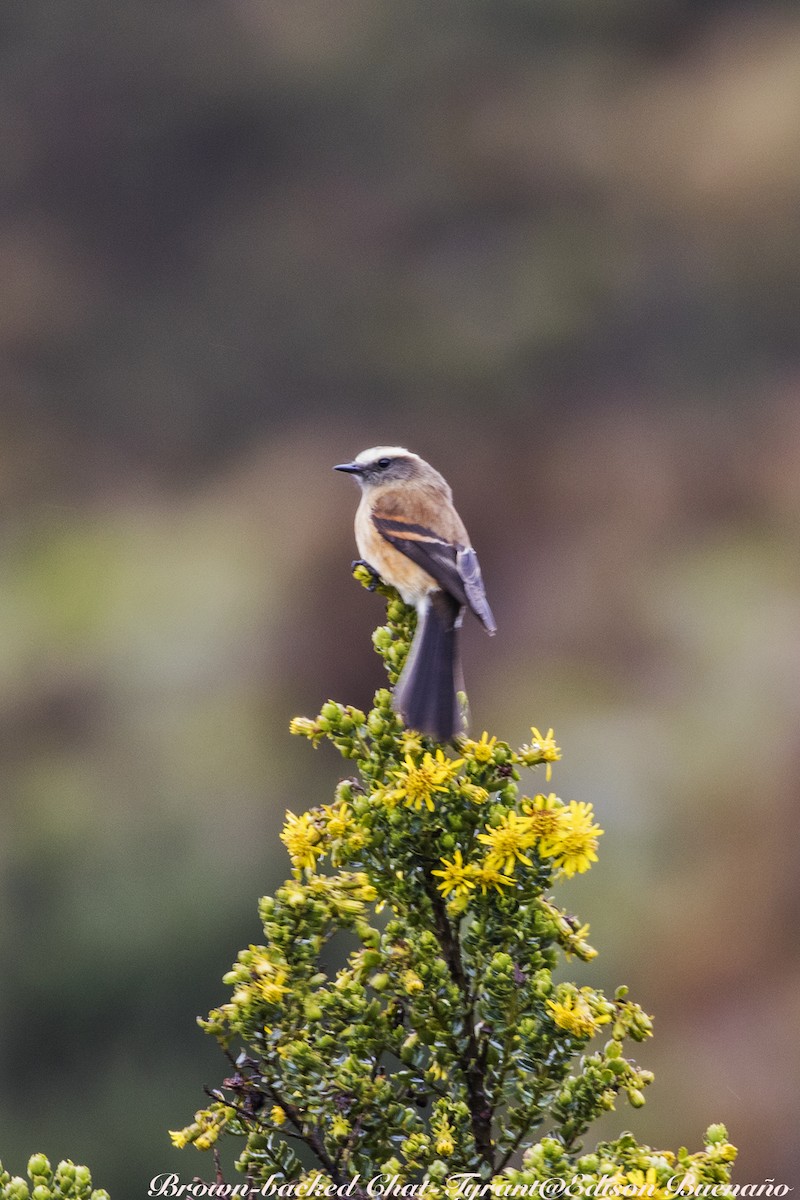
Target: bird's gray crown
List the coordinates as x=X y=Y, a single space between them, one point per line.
x=384 y=464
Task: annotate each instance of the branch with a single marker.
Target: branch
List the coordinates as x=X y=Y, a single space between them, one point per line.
x=474 y=1066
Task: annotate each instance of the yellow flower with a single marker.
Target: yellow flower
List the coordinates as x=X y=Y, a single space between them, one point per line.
x=340 y=1127
x=471 y=791
x=303 y=727
x=543 y=749
x=353 y=843
x=574 y=941
x=361 y=888
x=415 y=783
x=458 y=877
x=277 y=1115
x=482 y=751
x=302 y=839
x=491 y=876
x=574 y=1014
x=544 y=813
x=444 y=1143
x=271 y=981
x=574 y=845
x=411 y=742
x=411 y=982
x=203 y=1132
x=437 y=1072
x=645 y=1184
x=338 y=819
x=507 y=841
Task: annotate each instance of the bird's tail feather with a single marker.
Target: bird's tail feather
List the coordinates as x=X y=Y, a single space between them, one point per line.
x=426 y=695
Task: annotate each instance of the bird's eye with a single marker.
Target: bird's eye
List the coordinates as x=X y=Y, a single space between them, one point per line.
x=383 y=463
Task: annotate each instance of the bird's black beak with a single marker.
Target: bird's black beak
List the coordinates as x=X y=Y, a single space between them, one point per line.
x=352 y=468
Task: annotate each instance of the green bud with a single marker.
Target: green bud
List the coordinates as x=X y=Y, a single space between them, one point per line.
x=376 y=723
x=613 y=1049
x=636 y=1097
x=716 y=1134
x=542 y=983
x=39 y=1165
x=332 y=711
x=438 y=1171
x=42 y=1192
x=380 y=982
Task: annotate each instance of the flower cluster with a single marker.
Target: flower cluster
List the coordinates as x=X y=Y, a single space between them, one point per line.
x=628 y=1168
x=501 y=833
x=64 y=1182
x=432 y=1038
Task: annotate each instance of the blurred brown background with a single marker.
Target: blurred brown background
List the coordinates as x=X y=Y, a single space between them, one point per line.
x=554 y=246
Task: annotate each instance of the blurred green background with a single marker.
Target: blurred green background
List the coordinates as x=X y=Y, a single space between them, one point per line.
x=552 y=245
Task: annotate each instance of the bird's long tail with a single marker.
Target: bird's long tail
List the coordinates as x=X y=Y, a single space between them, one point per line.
x=426 y=695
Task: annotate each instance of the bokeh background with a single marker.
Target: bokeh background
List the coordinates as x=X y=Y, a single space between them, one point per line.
x=554 y=246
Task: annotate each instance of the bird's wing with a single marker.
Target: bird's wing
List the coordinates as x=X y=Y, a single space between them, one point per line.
x=454 y=567
x=470 y=571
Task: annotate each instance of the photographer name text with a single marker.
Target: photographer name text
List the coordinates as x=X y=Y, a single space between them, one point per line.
x=461 y=1187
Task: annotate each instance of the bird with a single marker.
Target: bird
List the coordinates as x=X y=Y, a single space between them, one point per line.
x=409 y=535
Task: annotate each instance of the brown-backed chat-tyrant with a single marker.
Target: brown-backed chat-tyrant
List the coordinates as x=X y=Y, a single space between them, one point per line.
x=409 y=533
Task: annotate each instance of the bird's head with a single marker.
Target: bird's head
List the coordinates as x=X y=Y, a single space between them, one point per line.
x=385 y=464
